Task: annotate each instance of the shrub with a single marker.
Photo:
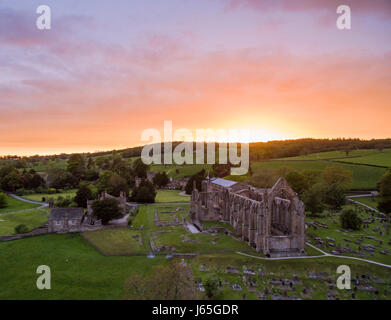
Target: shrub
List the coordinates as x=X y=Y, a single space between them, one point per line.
x=66 y=202
x=21 y=228
x=349 y=219
x=211 y=286
x=3 y=200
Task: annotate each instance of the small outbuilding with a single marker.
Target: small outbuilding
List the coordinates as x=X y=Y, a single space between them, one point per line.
x=65 y=219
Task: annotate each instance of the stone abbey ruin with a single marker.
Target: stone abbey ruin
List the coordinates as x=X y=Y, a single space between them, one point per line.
x=271 y=220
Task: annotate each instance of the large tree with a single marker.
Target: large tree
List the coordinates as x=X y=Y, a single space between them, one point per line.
x=106 y=210
x=83 y=194
x=385 y=192
x=145 y=192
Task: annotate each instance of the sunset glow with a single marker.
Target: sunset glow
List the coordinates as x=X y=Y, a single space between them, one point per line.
x=104 y=73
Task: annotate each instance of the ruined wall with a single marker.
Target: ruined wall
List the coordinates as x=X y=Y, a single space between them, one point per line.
x=271 y=220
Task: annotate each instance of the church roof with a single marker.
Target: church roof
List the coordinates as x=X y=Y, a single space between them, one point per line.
x=223 y=182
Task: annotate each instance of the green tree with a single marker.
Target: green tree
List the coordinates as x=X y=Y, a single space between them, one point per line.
x=140 y=169
x=312 y=199
x=77 y=166
x=3 y=200
x=144 y=193
x=384 y=187
x=349 y=219
x=297 y=181
x=211 y=286
x=197 y=178
x=106 y=210
x=161 y=179
x=83 y=194
x=338 y=176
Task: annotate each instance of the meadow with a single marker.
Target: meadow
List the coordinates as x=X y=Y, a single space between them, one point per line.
x=31 y=218
x=364 y=177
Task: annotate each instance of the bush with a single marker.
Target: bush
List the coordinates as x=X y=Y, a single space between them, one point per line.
x=211 y=286
x=3 y=200
x=21 y=228
x=349 y=219
x=66 y=202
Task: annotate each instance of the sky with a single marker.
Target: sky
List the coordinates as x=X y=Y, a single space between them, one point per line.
x=108 y=70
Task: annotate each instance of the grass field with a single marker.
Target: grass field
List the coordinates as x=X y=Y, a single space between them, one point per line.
x=79 y=271
x=334 y=155
x=364 y=177
x=47 y=196
x=171 y=196
x=15 y=205
x=32 y=219
x=382 y=158
x=116 y=241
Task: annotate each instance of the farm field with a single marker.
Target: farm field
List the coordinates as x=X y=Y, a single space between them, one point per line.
x=364 y=177
x=32 y=219
x=382 y=158
x=47 y=196
x=334 y=155
x=16 y=205
x=170 y=196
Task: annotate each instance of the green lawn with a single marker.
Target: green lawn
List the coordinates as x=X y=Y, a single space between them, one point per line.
x=47 y=196
x=116 y=241
x=15 y=205
x=78 y=270
x=364 y=177
x=171 y=196
x=32 y=219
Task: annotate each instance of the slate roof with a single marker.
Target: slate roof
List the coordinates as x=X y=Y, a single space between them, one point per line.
x=66 y=213
x=223 y=182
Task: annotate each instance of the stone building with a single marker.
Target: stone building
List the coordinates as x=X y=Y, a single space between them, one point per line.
x=65 y=219
x=271 y=220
